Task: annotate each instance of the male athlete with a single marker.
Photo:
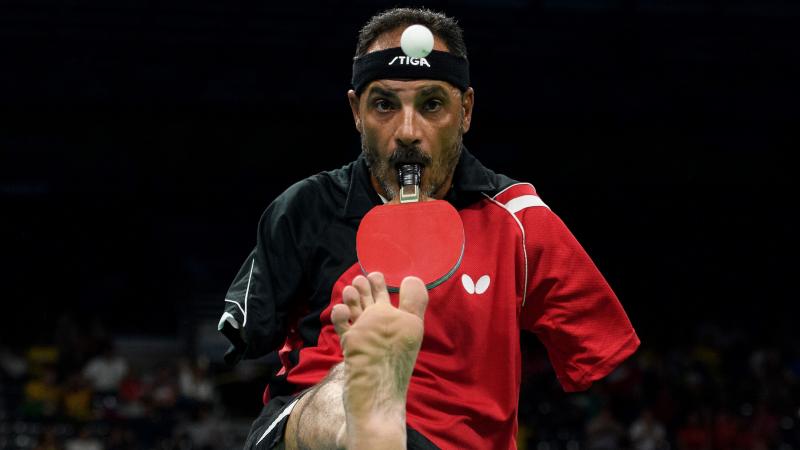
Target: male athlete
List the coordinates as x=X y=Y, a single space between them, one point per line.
x=365 y=369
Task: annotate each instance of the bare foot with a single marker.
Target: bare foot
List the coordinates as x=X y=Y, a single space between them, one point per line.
x=380 y=345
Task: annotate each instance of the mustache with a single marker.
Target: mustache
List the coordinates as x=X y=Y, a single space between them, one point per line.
x=409 y=154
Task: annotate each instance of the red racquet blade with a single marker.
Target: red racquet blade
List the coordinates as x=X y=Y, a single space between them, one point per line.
x=423 y=239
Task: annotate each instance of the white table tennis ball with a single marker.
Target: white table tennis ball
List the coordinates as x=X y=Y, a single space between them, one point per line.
x=416 y=41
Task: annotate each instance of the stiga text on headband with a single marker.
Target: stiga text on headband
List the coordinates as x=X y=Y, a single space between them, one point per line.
x=393 y=64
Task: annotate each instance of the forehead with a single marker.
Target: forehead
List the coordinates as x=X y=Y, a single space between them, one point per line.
x=391 y=39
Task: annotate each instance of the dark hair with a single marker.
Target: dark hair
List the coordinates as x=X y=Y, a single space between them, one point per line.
x=443 y=27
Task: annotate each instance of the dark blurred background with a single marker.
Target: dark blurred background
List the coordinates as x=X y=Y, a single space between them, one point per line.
x=141 y=141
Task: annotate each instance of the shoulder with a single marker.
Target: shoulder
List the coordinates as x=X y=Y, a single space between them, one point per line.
x=512 y=194
x=521 y=200
x=309 y=204
x=324 y=191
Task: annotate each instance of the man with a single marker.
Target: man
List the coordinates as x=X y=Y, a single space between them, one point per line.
x=365 y=369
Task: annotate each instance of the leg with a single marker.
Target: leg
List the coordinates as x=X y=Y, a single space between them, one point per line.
x=361 y=404
x=318 y=416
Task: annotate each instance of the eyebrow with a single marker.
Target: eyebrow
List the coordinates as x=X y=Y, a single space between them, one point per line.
x=375 y=90
x=430 y=90
x=426 y=91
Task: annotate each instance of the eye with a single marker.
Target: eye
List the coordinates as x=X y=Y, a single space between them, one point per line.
x=383 y=105
x=433 y=105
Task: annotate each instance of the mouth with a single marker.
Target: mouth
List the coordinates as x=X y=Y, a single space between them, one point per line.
x=409 y=174
x=409 y=155
x=400 y=164
x=409 y=177
x=408 y=161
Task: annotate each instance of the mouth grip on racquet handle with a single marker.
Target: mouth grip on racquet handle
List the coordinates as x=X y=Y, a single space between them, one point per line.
x=409 y=176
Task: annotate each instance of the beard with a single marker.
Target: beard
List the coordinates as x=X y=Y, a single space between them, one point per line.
x=435 y=171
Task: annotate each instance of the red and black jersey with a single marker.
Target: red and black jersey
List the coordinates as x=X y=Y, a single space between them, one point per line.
x=522 y=270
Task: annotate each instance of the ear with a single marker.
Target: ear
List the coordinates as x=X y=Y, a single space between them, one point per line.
x=354 y=103
x=467 y=102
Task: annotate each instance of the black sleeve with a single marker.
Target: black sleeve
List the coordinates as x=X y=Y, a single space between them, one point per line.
x=260 y=298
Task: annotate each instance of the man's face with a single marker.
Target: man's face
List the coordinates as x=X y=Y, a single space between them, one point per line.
x=411 y=121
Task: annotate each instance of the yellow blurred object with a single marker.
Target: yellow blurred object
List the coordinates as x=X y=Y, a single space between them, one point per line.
x=78 y=404
x=40 y=357
x=42 y=397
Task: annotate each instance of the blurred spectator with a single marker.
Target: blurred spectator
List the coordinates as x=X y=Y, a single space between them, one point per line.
x=646 y=433
x=764 y=427
x=41 y=357
x=603 y=432
x=164 y=389
x=12 y=365
x=694 y=435
x=106 y=370
x=624 y=383
x=726 y=430
x=42 y=394
x=131 y=388
x=205 y=430
x=665 y=408
x=83 y=441
x=13 y=371
x=195 y=386
x=120 y=439
x=78 y=399
x=131 y=395
x=744 y=438
x=690 y=391
x=48 y=441
x=71 y=343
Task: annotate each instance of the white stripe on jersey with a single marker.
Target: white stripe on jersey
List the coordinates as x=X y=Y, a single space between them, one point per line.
x=247 y=291
x=283 y=414
x=517 y=204
x=228 y=317
x=524 y=245
x=494 y=197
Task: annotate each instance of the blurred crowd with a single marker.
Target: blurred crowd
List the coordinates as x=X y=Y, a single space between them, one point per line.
x=107 y=404
x=81 y=394
x=720 y=392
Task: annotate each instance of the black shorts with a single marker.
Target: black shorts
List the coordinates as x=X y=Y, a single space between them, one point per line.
x=268 y=428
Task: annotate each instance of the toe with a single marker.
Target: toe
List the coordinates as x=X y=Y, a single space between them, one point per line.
x=352 y=299
x=378 y=286
x=340 y=316
x=413 y=296
x=364 y=289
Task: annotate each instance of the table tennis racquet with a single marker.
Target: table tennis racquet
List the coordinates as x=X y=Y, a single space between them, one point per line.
x=413 y=238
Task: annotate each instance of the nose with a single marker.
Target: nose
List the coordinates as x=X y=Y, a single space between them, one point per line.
x=409 y=131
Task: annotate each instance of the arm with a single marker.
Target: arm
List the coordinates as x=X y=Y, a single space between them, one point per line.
x=266 y=288
x=568 y=303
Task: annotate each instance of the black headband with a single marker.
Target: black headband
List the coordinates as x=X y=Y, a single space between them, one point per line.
x=393 y=64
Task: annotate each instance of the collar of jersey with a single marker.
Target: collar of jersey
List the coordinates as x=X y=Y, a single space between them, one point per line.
x=470 y=176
